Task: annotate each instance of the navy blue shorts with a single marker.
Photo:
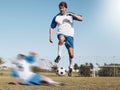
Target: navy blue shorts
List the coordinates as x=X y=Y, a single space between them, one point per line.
x=69 y=40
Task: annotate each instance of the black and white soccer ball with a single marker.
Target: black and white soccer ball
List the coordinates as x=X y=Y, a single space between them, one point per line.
x=61 y=71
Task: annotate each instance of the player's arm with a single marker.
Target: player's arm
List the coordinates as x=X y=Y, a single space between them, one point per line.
x=76 y=17
x=53 y=25
x=15 y=62
x=51 y=35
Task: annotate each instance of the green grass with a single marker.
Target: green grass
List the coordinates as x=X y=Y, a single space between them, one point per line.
x=73 y=83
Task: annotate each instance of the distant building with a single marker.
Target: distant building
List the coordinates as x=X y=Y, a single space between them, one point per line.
x=110 y=70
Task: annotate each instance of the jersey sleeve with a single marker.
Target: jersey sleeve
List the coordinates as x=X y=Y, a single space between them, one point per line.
x=74 y=18
x=53 y=23
x=30 y=59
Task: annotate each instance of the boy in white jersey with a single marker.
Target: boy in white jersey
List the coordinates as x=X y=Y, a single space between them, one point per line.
x=64 y=21
x=26 y=76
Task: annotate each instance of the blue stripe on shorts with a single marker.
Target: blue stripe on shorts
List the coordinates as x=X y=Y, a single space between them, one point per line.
x=69 y=40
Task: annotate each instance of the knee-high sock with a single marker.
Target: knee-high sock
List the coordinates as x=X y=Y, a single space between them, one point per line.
x=71 y=61
x=50 y=81
x=60 y=48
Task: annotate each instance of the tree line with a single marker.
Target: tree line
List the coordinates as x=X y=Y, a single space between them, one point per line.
x=85 y=70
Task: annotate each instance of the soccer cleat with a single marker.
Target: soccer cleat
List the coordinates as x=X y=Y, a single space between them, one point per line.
x=62 y=84
x=57 y=59
x=70 y=72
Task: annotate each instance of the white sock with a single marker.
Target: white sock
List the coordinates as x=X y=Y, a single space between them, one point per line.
x=60 y=48
x=50 y=81
x=71 y=60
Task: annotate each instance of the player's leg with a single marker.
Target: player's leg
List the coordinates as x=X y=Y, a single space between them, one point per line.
x=71 y=60
x=14 y=74
x=71 y=56
x=51 y=82
x=69 y=43
x=61 y=39
x=37 y=79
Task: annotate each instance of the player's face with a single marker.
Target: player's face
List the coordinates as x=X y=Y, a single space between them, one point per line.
x=20 y=57
x=62 y=9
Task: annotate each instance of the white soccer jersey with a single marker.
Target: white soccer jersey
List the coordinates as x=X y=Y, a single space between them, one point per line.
x=64 y=23
x=24 y=71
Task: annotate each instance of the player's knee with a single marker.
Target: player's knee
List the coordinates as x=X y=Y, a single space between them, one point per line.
x=61 y=42
x=61 y=39
x=71 y=56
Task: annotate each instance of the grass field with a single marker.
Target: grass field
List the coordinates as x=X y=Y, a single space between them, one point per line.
x=72 y=83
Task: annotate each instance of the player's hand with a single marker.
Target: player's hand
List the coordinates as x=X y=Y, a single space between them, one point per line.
x=51 y=41
x=69 y=14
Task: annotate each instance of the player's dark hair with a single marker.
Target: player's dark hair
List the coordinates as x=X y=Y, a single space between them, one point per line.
x=64 y=4
x=21 y=55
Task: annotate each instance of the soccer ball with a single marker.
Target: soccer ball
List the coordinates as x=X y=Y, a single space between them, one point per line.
x=61 y=71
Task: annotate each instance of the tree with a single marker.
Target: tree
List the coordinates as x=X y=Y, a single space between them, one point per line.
x=35 y=69
x=91 y=66
x=1 y=61
x=54 y=68
x=76 y=66
x=86 y=64
x=84 y=69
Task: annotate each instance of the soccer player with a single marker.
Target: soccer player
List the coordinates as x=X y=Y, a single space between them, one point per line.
x=26 y=76
x=64 y=21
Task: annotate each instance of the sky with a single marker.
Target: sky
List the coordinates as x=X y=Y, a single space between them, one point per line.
x=24 y=27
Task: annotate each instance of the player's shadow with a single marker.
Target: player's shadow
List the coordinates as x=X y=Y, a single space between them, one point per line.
x=43 y=83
